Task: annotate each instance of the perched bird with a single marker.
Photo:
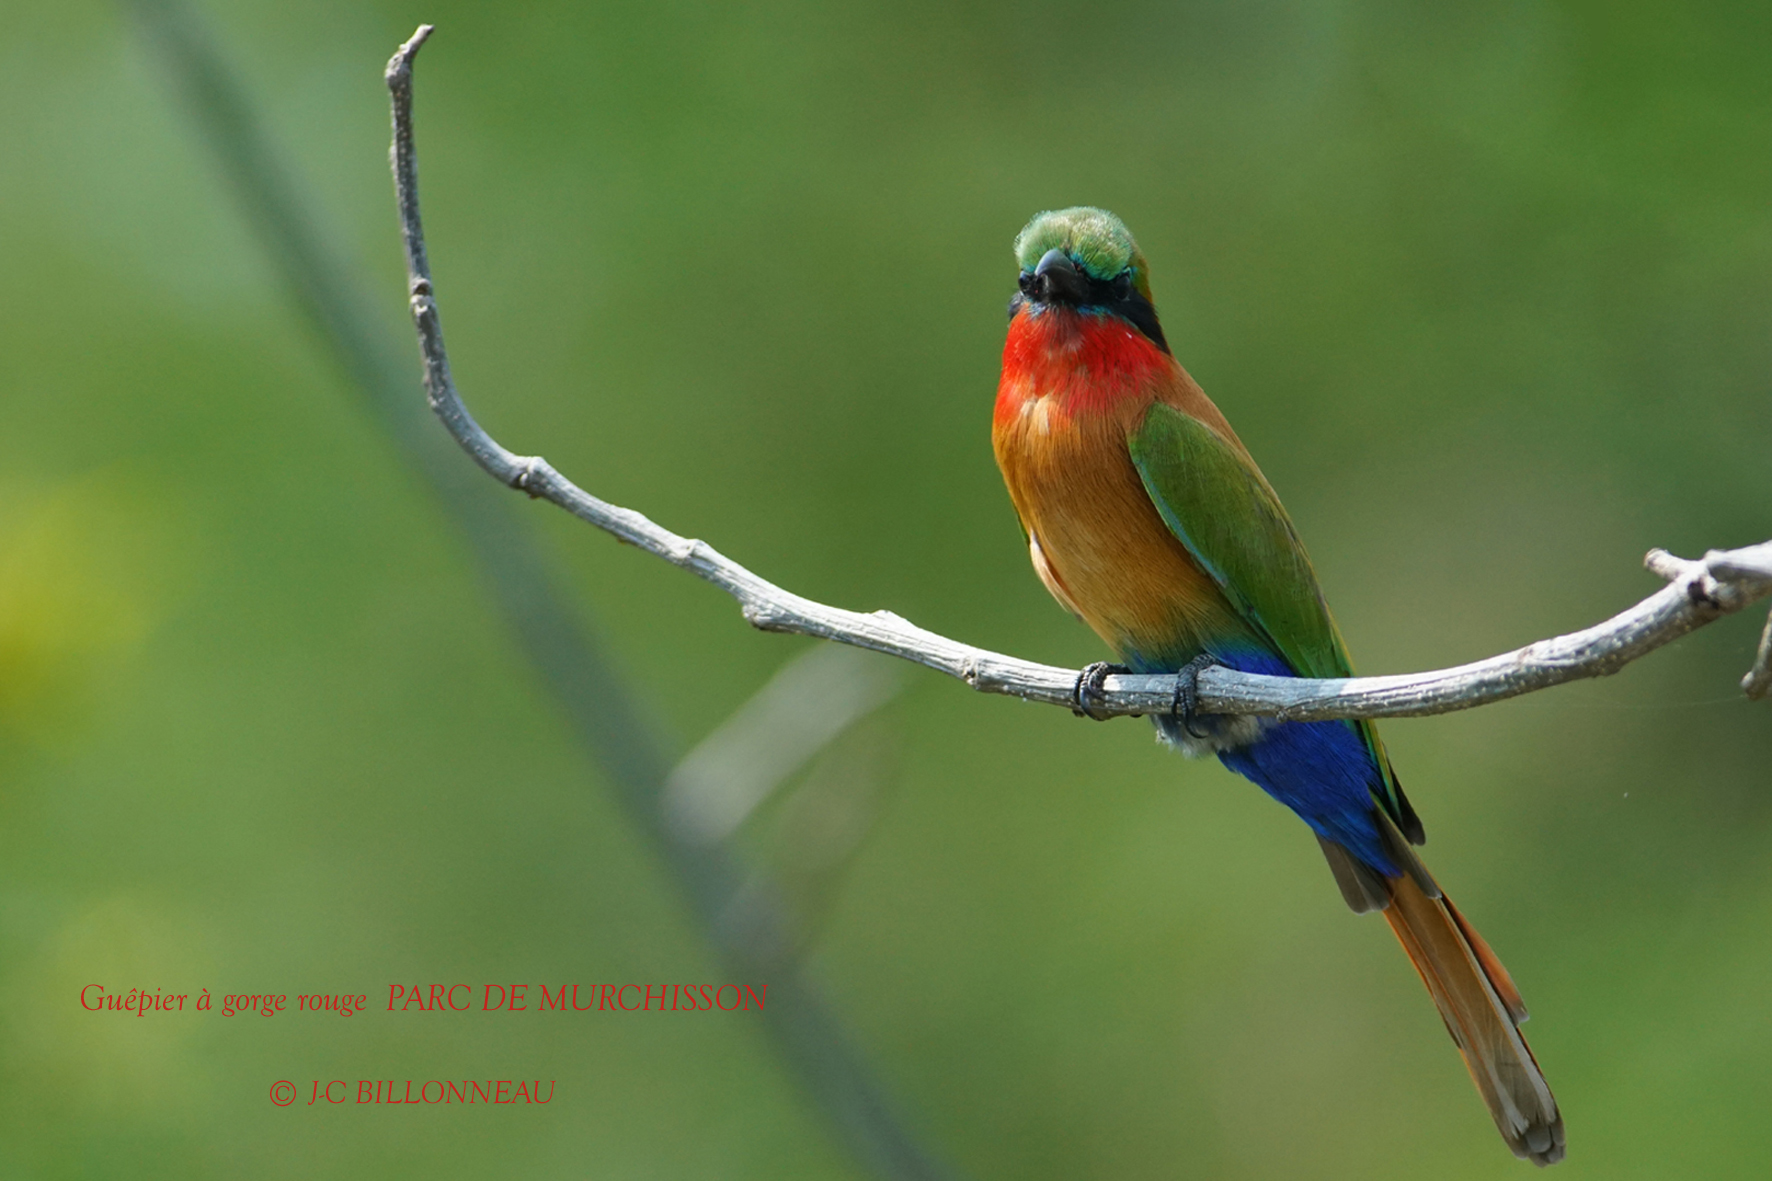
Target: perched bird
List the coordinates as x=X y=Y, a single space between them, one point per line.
x=1146 y=517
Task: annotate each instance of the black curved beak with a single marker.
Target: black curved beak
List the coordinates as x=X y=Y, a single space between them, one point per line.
x=1056 y=279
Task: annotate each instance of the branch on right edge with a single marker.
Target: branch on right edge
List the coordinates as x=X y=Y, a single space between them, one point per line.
x=1758 y=681
x=1699 y=591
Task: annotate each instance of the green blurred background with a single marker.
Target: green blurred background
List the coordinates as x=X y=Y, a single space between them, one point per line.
x=1487 y=288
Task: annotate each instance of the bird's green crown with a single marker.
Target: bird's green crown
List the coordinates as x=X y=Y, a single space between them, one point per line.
x=1096 y=240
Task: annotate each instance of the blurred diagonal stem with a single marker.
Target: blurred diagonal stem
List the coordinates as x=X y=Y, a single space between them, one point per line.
x=739 y=916
x=814 y=698
x=1698 y=592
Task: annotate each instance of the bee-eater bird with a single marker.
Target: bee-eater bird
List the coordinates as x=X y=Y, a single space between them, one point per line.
x=1146 y=517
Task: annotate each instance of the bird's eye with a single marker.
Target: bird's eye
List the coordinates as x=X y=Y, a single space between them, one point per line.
x=1123 y=285
x=1027 y=283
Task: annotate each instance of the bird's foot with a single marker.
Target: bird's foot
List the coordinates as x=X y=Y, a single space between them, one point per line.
x=1088 y=687
x=1187 y=693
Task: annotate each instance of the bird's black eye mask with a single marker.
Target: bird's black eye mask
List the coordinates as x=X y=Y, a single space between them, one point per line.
x=1059 y=281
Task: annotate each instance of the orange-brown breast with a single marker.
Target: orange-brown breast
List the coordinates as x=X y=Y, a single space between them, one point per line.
x=1074 y=388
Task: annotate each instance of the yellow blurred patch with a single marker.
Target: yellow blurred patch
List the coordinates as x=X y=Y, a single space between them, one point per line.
x=85 y=570
x=120 y=1064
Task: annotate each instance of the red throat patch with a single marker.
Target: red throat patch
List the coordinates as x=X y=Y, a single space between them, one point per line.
x=1088 y=363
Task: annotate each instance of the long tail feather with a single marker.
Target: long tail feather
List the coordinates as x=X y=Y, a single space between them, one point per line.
x=1482 y=1010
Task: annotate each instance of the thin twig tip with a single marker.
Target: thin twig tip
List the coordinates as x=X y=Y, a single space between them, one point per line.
x=401 y=62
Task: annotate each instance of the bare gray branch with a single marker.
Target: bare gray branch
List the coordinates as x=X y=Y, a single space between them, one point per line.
x=742 y=915
x=1698 y=592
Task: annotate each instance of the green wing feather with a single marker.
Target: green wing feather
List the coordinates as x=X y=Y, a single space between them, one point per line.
x=1217 y=504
